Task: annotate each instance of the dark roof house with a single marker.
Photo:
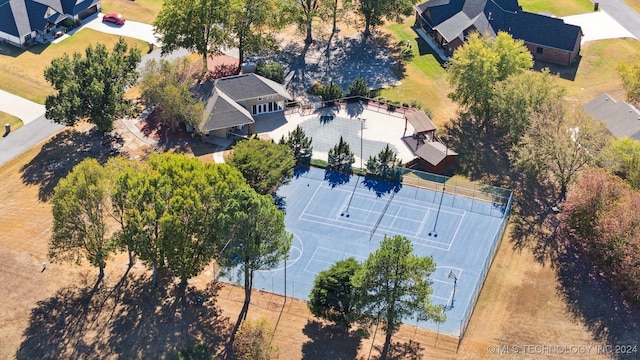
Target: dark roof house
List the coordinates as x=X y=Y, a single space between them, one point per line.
x=235 y=100
x=22 y=21
x=449 y=22
x=622 y=119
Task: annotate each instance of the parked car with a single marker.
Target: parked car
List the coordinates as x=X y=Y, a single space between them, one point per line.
x=114 y=18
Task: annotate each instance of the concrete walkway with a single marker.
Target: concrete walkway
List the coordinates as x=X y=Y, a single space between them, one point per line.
x=598 y=25
x=23 y=109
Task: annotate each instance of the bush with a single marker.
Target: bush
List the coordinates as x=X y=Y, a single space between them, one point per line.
x=319 y=163
x=316 y=89
x=359 y=87
x=271 y=70
x=331 y=92
x=416 y=104
x=253 y=340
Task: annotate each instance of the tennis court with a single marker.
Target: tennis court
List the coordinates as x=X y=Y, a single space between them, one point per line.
x=334 y=217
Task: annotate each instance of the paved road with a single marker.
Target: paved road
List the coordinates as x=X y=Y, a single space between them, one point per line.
x=623 y=14
x=26 y=137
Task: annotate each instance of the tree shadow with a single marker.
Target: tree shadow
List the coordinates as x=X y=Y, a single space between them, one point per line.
x=380 y=187
x=132 y=320
x=329 y=342
x=335 y=178
x=327 y=114
x=402 y=351
x=280 y=202
x=300 y=171
x=594 y=301
x=59 y=156
x=355 y=107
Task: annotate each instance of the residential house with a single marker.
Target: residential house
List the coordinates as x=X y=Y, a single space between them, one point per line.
x=449 y=22
x=432 y=154
x=622 y=119
x=234 y=102
x=23 y=21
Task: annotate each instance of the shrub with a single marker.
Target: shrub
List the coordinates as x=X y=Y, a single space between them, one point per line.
x=271 y=70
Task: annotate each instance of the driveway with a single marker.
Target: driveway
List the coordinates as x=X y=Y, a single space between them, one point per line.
x=623 y=14
x=598 y=25
x=132 y=29
x=23 y=109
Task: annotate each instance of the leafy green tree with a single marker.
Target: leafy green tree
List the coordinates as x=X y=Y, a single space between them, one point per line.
x=560 y=142
x=199 y=25
x=256 y=238
x=630 y=76
x=333 y=296
x=622 y=157
x=359 y=87
x=252 y=25
x=308 y=10
x=385 y=165
x=271 y=70
x=80 y=210
x=479 y=64
x=331 y=92
x=517 y=97
x=264 y=164
x=253 y=340
x=376 y=11
x=93 y=86
x=394 y=284
x=300 y=144
x=166 y=84
x=341 y=158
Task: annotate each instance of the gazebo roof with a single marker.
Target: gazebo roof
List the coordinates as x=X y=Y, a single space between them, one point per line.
x=420 y=122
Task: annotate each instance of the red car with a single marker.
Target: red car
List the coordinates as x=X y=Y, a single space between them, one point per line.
x=114 y=18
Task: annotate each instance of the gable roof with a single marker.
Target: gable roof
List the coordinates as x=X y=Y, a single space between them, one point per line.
x=434 y=152
x=250 y=86
x=222 y=112
x=451 y=18
x=622 y=119
x=420 y=121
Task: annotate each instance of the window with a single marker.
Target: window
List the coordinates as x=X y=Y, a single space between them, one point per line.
x=539 y=50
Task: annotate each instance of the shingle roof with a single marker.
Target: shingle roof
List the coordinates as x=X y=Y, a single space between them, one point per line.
x=250 y=86
x=451 y=18
x=433 y=152
x=420 y=121
x=8 y=24
x=223 y=112
x=622 y=119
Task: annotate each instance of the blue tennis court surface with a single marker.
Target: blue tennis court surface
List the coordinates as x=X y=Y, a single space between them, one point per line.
x=333 y=220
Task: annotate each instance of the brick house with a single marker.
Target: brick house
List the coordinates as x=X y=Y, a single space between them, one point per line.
x=449 y=22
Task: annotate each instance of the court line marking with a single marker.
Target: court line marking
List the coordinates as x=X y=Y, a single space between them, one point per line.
x=342 y=256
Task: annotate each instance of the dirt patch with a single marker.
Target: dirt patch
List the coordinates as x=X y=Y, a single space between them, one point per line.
x=154 y=129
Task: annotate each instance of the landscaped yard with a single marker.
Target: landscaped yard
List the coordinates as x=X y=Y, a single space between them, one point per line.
x=140 y=10
x=11 y=120
x=22 y=71
x=557 y=8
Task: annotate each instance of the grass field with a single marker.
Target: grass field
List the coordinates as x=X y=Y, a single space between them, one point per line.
x=22 y=71
x=634 y=4
x=11 y=120
x=596 y=71
x=424 y=79
x=139 y=10
x=557 y=8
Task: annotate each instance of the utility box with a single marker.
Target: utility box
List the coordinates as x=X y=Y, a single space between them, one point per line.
x=596 y=6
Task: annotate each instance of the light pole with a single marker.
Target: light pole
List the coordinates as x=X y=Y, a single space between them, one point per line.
x=361 y=141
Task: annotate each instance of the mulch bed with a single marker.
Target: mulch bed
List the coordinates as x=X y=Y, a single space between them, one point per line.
x=153 y=129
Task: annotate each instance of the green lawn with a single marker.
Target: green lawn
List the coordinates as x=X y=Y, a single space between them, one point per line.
x=423 y=79
x=596 y=71
x=11 y=120
x=22 y=71
x=559 y=8
x=139 y=10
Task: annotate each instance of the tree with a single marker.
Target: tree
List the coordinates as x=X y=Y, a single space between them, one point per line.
x=622 y=157
x=333 y=296
x=256 y=238
x=385 y=165
x=331 y=92
x=80 y=207
x=253 y=340
x=92 y=87
x=517 y=97
x=308 y=10
x=630 y=76
x=166 y=84
x=341 y=158
x=479 y=64
x=264 y=164
x=359 y=87
x=271 y=70
x=394 y=284
x=376 y=11
x=560 y=142
x=299 y=144
x=251 y=22
x=201 y=26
